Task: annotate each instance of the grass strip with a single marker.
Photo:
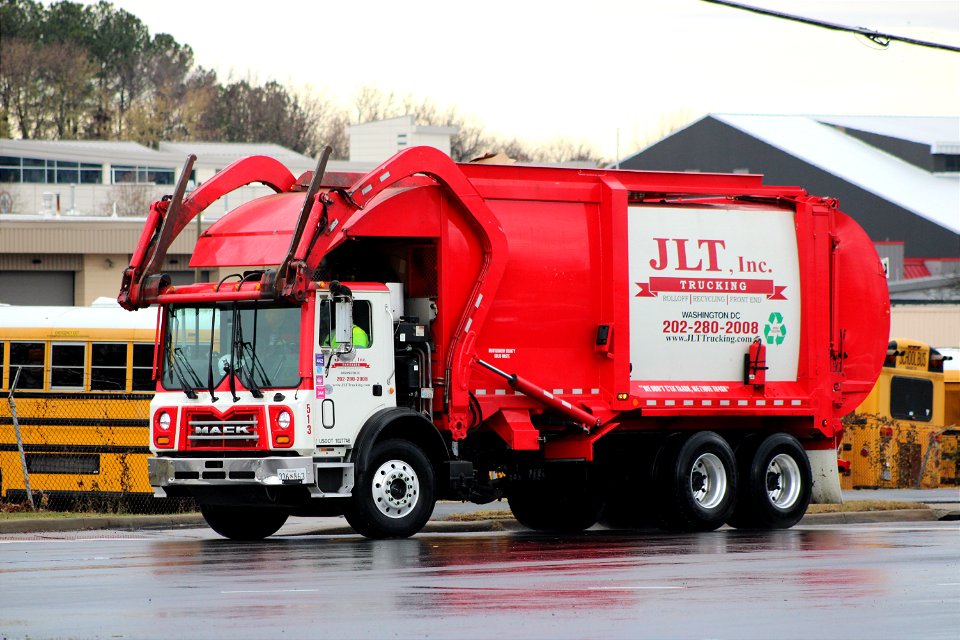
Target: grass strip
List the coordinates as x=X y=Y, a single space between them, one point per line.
x=499 y=514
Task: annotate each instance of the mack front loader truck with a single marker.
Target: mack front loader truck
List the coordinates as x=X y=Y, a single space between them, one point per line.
x=636 y=348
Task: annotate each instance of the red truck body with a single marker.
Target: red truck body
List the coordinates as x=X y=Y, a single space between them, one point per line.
x=577 y=332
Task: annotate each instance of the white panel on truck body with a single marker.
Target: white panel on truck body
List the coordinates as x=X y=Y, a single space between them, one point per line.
x=705 y=283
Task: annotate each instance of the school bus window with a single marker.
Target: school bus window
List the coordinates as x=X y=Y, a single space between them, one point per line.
x=66 y=365
x=108 y=366
x=2 y=386
x=28 y=357
x=143 y=367
x=911 y=398
x=84 y=463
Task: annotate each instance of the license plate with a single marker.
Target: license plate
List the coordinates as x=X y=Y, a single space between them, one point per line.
x=292 y=475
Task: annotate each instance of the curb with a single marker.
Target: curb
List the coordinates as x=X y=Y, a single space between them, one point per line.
x=194 y=520
x=171 y=521
x=867 y=517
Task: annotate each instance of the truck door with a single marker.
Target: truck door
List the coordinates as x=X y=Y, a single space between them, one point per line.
x=352 y=385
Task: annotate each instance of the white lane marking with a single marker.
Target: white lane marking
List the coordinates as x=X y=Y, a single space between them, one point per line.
x=631 y=588
x=272 y=591
x=51 y=540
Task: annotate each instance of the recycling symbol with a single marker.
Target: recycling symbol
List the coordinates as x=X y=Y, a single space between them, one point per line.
x=774 y=330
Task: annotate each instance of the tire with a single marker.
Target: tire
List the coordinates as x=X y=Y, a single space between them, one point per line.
x=395 y=494
x=565 y=501
x=696 y=482
x=775 y=483
x=243 y=523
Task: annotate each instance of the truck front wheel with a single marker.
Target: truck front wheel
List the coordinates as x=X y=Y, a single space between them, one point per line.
x=243 y=523
x=696 y=479
x=395 y=494
x=775 y=483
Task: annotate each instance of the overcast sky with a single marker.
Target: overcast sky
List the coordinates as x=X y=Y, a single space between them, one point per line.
x=540 y=70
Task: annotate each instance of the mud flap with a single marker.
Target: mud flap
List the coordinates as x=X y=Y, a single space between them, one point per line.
x=826 y=478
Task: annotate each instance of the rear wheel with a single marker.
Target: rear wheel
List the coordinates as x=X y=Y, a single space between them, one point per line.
x=395 y=495
x=243 y=523
x=563 y=500
x=775 y=483
x=696 y=481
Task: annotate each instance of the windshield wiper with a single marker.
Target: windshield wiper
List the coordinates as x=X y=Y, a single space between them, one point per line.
x=237 y=349
x=213 y=327
x=177 y=361
x=235 y=332
x=256 y=367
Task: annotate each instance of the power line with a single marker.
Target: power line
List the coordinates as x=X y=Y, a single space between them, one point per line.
x=882 y=39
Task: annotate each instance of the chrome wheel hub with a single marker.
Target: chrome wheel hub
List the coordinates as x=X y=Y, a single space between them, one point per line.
x=396 y=488
x=783 y=481
x=708 y=481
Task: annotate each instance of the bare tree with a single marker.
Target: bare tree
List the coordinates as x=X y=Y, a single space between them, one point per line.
x=371 y=104
x=119 y=45
x=71 y=70
x=22 y=86
x=68 y=75
x=329 y=122
x=471 y=140
x=156 y=115
x=560 y=151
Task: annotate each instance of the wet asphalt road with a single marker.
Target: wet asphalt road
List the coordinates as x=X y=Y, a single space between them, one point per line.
x=853 y=581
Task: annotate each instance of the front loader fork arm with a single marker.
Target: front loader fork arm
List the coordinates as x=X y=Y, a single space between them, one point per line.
x=439 y=167
x=291 y=277
x=170 y=216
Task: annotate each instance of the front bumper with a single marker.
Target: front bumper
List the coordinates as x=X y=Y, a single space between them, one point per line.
x=323 y=479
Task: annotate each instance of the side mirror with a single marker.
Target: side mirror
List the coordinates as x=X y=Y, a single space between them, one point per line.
x=343 y=316
x=343 y=310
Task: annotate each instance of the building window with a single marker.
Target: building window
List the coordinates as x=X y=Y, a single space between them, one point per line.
x=9 y=169
x=35 y=170
x=129 y=174
x=91 y=173
x=67 y=172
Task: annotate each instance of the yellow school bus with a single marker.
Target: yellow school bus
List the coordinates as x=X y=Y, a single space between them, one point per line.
x=895 y=438
x=84 y=379
x=950 y=442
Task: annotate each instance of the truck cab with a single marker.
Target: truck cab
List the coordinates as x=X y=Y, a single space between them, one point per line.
x=246 y=412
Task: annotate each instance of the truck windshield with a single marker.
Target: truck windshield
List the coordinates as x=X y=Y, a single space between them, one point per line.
x=205 y=344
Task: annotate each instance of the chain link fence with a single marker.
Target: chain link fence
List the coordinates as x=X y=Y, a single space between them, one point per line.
x=78 y=452
x=885 y=453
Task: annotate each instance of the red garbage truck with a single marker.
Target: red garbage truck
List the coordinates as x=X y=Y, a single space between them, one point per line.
x=636 y=348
